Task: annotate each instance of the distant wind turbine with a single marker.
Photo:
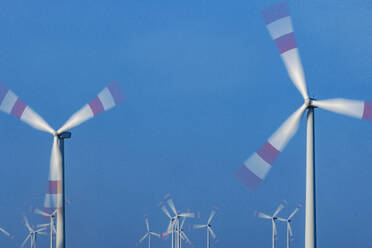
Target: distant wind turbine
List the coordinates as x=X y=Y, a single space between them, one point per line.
x=208 y=227
x=289 y=228
x=148 y=233
x=51 y=225
x=273 y=219
x=32 y=234
x=10 y=103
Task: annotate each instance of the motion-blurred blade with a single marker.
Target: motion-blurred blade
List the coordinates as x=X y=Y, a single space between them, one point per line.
x=108 y=98
x=182 y=223
x=281 y=219
x=38 y=211
x=279 y=25
x=165 y=210
x=27 y=224
x=280 y=207
x=53 y=197
x=147 y=223
x=255 y=168
x=274 y=229
x=212 y=233
x=198 y=226
x=170 y=202
x=155 y=234
x=42 y=225
x=25 y=241
x=144 y=236
x=41 y=229
x=262 y=215
x=10 y=103
x=188 y=215
x=5 y=232
x=353 y=108
x=213 y=212
x=294 y=212
x=290 y=230
x=184 y=236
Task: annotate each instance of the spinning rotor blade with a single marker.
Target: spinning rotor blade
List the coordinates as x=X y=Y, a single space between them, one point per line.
x=198 y=226
x=255 y=168
x=279 y=25
x=12 y=104
x=353 y=108
x=144 y=236
x=155 y=234
x=280 y=207
x=25 y=241
x=27 y=224
x=294 y=212
x=38 y=211
x=165 y=210
x=290 y=231
x=213 y=212
x=108 y=98
x=212 y=233
x=184 y=236
x=5 y=232
x=147 y=223
x=263 y=216
x=170 y=202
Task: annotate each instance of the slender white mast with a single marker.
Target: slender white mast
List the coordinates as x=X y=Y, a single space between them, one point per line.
x=60 y=235
x=310 y=231
x=208 y=240
x=273 y=234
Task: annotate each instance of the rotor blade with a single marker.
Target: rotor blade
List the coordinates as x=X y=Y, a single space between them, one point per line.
x=255 y=168
x=182 y=223
x=169 y=229
x=184 y=236
x=42 y=233
x=274 y=230
x=144 y=236
x=353 y=108
x=281 y=219
x=147 y=223
x=12 y=104
x=189 y=215
x=263 y=216
x=155 y=234
x=280 y=207
x=279 y=25
x=108 y=98
x=294 y=212
x=38 y=211
x=53 y=197
x=212 y=233
x=25 y=241
x=213 y=212
x=42 y=225
x=5 y=232
x=41 y=229
x=27 y=224
x=170 y=202
x=198 y=226
x=290 y=231
x=165 y=210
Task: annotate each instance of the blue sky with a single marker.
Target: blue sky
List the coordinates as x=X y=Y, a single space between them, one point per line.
x=205 y=87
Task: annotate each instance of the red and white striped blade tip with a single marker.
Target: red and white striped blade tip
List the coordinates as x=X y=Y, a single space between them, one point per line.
x=278 y=22
x=108 y=98
x=256 y=167
x=10 y=103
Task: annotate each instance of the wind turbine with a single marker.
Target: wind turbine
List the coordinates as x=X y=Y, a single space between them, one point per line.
x=208 y=226
x=289 y=221
x=51 y=225
x=55 y=197
x=32 y=234
x=255 y=168
x=174 y=224
x=273 y=219
x=149 y=233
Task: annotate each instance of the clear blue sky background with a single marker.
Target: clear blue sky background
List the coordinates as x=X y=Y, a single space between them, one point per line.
x=205 y=87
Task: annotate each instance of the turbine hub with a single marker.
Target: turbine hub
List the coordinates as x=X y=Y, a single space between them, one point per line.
x=309 y=102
